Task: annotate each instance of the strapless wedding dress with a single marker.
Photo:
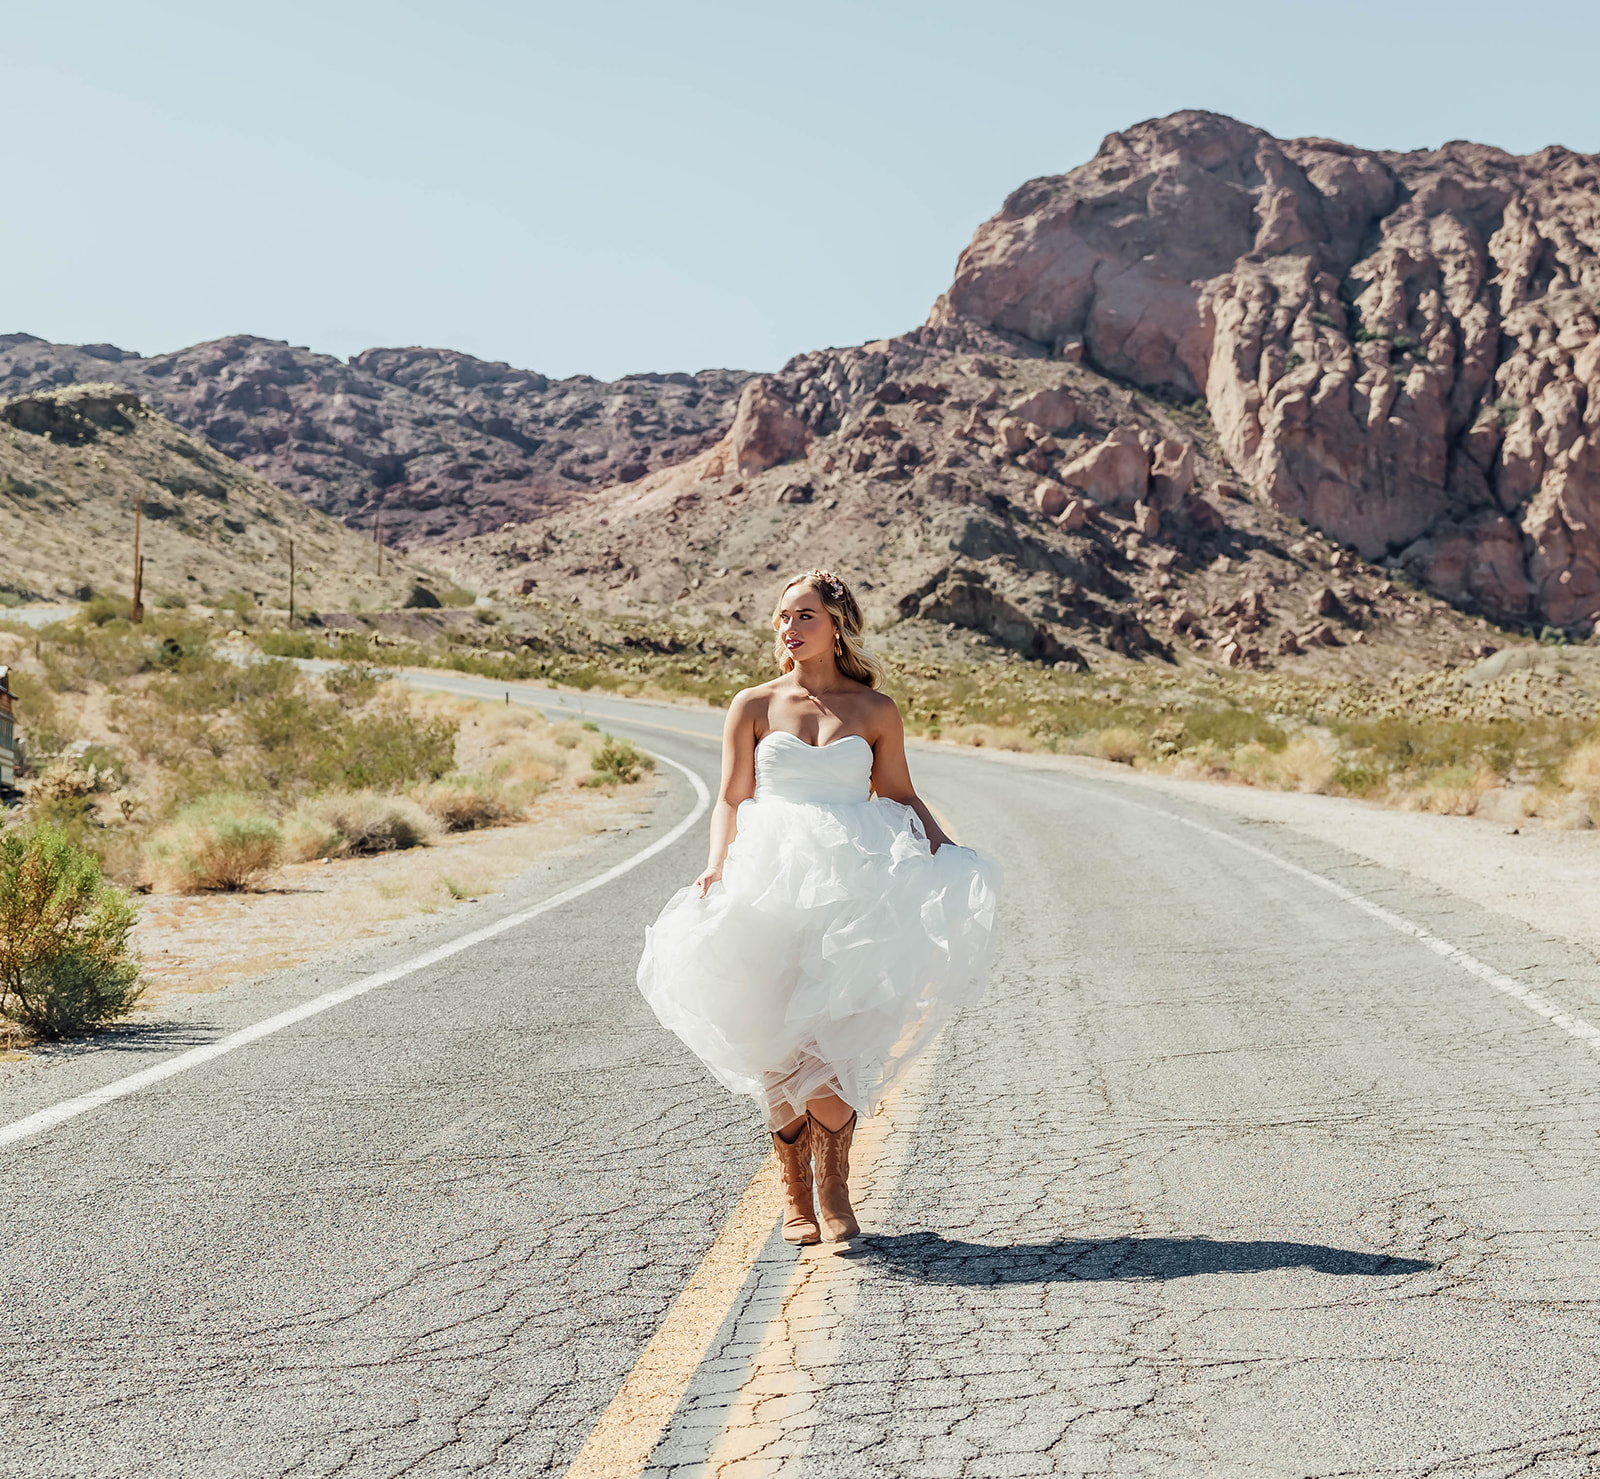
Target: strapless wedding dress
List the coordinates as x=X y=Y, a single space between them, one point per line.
x=836 y=944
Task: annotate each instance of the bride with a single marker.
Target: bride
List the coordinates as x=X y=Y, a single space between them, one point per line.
x=836 y=926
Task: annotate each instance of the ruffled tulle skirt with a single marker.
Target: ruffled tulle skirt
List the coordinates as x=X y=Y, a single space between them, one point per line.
x=831 y=953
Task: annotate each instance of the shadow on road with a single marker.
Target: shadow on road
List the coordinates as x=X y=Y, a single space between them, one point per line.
x=135 y=1039
x=936 y=1260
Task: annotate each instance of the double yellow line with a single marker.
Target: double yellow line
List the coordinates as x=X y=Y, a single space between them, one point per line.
x=801 y=1339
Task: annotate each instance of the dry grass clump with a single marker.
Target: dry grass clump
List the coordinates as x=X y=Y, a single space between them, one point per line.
x=350 y=824
x=225 y=841
x=1454 y=791
x=1118 y=744
x=1582 y=774
x=466 y=803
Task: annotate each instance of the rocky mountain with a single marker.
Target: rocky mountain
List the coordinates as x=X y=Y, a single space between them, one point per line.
x=75 y=464
x=980 y=493
x=437 y=443
x=1209 y=382
x=1400 y=349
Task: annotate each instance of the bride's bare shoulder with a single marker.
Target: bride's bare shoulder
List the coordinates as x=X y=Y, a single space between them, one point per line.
x=881 y=710
x=749 y=705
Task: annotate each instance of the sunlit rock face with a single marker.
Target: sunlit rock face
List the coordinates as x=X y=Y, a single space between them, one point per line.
x=1399 y=348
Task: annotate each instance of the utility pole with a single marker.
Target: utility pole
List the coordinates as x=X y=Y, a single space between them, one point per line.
x=377 y=534
x=137 y=614
x=291 y=582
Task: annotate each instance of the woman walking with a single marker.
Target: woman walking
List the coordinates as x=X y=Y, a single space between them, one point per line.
x=835 y=927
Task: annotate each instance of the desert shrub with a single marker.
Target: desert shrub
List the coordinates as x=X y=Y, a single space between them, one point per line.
x=1119 y=744
x=287 y=644
x=171 y=601
x=1229 y=728
x=1582 y=773
x=388 y=748
x=354 y=682
x=360 y=823
x=308 y=834
x=1306 y=766
x=101 y=609
x=65 y=962
x=464 y=803
x=618 y=762
x=223 y=841
x=1424 y=744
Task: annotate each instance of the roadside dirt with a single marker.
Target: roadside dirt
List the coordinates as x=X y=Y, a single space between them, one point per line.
x=199 y=942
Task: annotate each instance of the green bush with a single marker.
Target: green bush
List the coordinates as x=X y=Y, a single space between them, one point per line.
x=388 y=749
x=225 y=841
x=287 y=644
x=354 y=682
x=102 y=609
x=1230 y=728
x=65 y=961
x=618 y=762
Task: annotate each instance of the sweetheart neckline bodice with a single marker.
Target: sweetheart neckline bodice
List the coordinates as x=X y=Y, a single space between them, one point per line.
x=772 y=733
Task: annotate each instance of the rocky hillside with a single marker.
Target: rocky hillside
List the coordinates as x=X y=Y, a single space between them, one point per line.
x=1400 y=349
x=1209 y=382
x=981 y=491
x=442 y=443
x=76 y=462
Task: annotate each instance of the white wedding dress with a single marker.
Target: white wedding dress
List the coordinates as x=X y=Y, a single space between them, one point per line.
x=836 y=944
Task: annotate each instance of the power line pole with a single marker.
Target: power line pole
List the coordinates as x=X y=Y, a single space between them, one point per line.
x=377 y=534
x=291 y=582
x=137 y=614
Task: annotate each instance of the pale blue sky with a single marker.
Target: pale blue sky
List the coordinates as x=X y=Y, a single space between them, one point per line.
x=610 y=187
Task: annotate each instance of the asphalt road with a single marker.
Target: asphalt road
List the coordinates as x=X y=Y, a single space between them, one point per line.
x=1225 y=1176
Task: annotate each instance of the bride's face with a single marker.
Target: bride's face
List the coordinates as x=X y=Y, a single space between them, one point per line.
x=804 y=626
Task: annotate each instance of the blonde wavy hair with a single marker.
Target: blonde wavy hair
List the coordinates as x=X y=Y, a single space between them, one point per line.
x=840 y=603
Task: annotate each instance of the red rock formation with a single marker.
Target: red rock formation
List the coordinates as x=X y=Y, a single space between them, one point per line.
x=1399 y=348
x=765 y=429
x=447 y=445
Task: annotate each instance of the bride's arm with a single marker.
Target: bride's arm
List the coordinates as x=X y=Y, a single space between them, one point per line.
x=738 y=783
x=891 y=775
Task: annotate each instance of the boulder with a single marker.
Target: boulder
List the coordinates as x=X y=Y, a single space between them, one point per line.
x=1073 y=516
x=765 y=429
x=1011 y=434
x=1051 y=498
x=1055 y=409
x=1115 y=473
x=1172 y=472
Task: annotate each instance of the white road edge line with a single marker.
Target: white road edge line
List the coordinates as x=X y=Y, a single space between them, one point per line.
x=1576 y=1027
x=57 y=1114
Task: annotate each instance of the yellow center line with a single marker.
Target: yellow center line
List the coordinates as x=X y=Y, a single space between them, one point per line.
x=629 y=1429
x=800 y=1341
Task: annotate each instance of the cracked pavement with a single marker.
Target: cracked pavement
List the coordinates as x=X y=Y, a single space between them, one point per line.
x=1222 y=1178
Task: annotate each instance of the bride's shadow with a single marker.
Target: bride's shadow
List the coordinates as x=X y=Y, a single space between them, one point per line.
x=932 y=1259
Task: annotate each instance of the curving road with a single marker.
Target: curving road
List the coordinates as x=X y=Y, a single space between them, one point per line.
x=1255 y=1161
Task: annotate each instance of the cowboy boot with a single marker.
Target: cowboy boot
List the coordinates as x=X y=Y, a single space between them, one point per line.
x=799 y=1214
x=831 y=1149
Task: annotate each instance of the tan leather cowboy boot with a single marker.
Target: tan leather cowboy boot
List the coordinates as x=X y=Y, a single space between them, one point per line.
x=799 y=1214
x=831 y=1149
